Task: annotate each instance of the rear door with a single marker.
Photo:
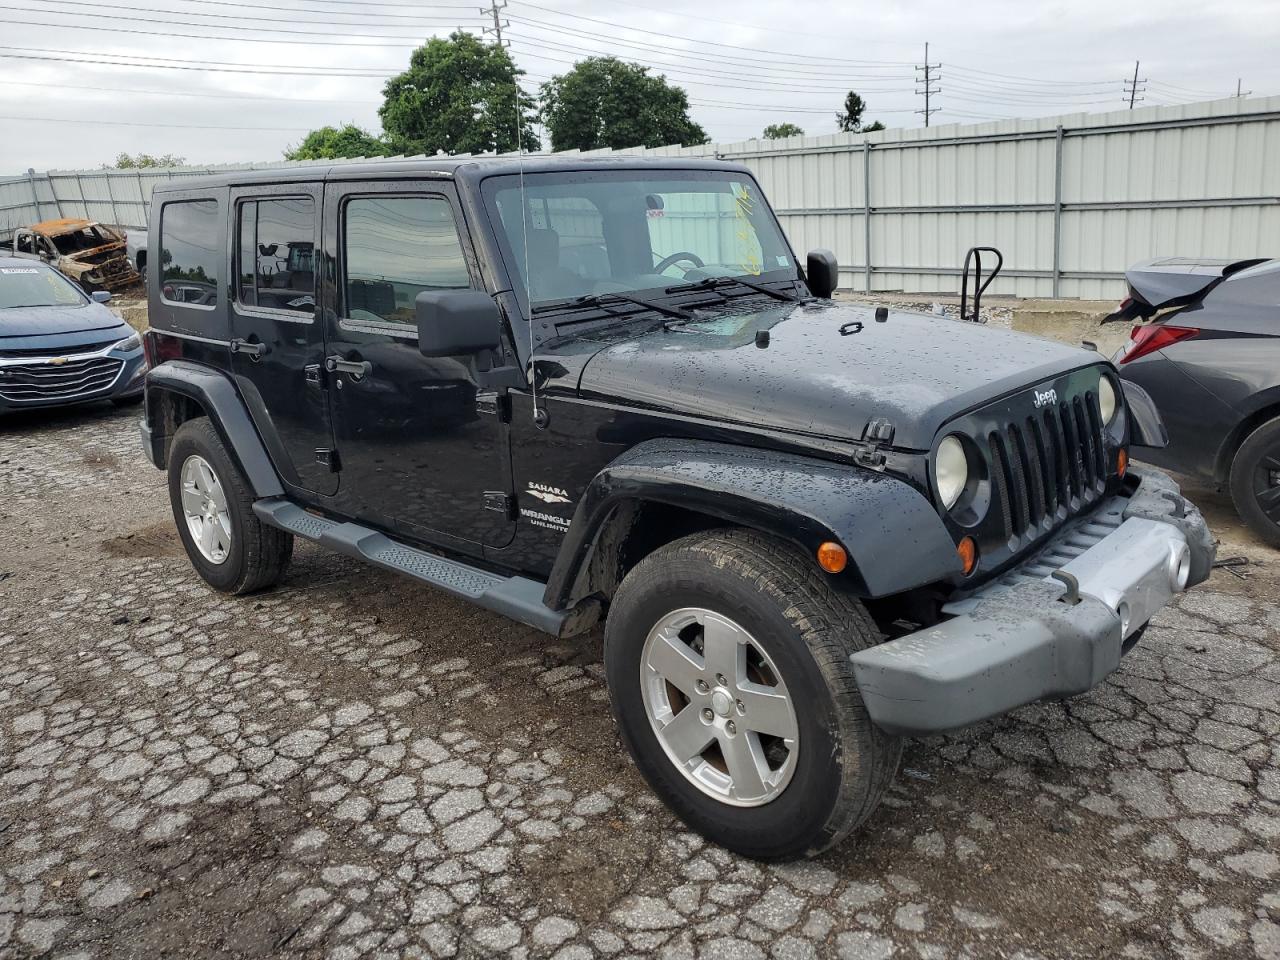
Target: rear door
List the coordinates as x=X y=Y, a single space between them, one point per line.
x=278 y=348
x=422 y=450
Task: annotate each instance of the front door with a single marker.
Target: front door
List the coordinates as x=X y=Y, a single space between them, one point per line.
x=278 y=346
x=419 y=449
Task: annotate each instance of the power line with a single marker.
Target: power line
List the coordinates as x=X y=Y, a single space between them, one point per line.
x=363 y=17
x=931 y=74
x=712 y=43
x=131 y=123
x=752 y=64
x=198 y=66
x=206 y=36
x=800 y=85
x=185 y=93
x=1132 y=89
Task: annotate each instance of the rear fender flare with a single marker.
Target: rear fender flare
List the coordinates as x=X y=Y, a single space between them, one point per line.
x=893 y=534
x=217 y=396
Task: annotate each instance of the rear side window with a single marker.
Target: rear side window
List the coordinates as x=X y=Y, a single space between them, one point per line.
x=276 y=254
x=190 y=251
x=393 y=249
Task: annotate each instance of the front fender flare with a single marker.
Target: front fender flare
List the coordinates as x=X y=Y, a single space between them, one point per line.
x=894 y=536
x=1146 y=426
x=216 y=394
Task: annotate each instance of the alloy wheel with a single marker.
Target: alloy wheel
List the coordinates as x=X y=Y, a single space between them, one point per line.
x=719 y=707
x=204 y=505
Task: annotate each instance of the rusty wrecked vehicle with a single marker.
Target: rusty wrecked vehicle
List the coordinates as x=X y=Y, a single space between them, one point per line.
x=90 y=253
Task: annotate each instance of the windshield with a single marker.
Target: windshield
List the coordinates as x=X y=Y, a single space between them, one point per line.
x=623 y=232
x=36 y=287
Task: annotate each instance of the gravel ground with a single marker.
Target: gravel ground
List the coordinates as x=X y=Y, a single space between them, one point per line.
x=353 y=765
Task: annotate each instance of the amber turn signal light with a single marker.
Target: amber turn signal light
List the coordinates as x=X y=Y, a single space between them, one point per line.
x=1122 y=462
x=967 y=551
x=832 y=557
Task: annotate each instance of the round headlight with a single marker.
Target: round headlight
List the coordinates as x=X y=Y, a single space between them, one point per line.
x=950 y=470
x=1107 y=399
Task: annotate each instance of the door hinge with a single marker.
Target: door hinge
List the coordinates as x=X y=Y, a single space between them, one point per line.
x=328 y=457
x=501 y=502
x=494 y=404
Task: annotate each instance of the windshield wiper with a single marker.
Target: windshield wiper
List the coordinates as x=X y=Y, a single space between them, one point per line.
x=605 y=299
x=711 y=283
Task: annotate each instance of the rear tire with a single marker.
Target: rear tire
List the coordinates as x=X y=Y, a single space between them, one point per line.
x=1255 y=481
x=241 y=554
x=788 y=625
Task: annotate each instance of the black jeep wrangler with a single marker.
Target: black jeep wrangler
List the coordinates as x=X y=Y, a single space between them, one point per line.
x=577 y=391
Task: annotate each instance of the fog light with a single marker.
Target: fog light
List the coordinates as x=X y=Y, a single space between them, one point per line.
x=1122 y=462
x=1179 y=567
x=967 y=551
x=832 y=557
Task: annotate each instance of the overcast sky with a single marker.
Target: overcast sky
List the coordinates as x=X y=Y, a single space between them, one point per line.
x=744 y=64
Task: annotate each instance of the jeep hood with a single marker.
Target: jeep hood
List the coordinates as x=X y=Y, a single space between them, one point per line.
x=828 y=368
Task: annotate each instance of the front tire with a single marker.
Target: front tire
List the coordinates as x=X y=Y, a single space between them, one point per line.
x=231 y=549
x=727 y=656
x=1255 y=481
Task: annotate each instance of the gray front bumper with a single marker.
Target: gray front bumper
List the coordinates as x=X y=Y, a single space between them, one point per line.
x=1029 y=636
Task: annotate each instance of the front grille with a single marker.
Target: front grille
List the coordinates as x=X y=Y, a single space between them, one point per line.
x=36 y=382
x=71 y=351
x=1048 y=466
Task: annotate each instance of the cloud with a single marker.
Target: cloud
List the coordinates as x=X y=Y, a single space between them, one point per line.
x=744 y=66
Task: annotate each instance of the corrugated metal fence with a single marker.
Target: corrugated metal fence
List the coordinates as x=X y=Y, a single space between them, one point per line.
x=1071 y=201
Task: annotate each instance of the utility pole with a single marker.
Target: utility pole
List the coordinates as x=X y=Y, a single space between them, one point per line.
x=1131 y=86
x=931 y=74
x=495 y=10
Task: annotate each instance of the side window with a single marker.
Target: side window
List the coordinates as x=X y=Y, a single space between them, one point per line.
x=190 y=250
x=276 y=254
x=393 y=249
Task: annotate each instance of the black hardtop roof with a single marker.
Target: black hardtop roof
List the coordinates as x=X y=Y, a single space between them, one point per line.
x=468 y=169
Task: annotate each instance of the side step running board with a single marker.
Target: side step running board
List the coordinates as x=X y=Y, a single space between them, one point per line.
x=516 y=597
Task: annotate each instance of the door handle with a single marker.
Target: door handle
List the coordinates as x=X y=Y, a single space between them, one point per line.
x=357 y=369
x=256 y=351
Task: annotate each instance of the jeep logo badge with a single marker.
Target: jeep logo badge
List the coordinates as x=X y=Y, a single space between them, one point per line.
x=1045 y=397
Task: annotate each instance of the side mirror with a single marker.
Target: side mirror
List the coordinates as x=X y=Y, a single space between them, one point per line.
x=823 y=273
x=101 y=296
x=455 y=323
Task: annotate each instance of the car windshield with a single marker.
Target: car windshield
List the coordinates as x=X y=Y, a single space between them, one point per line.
x=593 y=234
x=36 y=287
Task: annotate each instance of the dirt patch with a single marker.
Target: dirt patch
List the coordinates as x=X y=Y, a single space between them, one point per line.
x=101 y=458
x=155 y=540
x=586 y=874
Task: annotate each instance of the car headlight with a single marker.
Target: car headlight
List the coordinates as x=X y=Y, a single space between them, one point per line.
x=129 y=343
x=950 y=470
x=1106 y=399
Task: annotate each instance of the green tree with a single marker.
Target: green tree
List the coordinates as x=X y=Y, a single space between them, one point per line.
x=126 y=162
x=604 y=102
x=459 y=95
x=329 y=143
x=850 y=118
x=778 y=131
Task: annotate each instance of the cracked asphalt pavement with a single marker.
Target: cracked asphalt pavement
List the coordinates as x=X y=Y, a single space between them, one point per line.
x=353 y=765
